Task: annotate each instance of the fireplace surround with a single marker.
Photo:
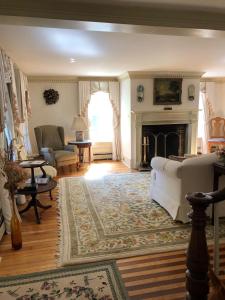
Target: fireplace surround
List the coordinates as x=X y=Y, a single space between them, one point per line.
x=176 y=121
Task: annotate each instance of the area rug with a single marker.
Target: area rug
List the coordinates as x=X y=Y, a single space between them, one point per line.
x=99 y=281
x=113 y=217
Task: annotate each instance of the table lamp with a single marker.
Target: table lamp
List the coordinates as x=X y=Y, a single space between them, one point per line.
x=79 y=125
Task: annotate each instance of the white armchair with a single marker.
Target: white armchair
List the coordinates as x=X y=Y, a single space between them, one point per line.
x=172 y=180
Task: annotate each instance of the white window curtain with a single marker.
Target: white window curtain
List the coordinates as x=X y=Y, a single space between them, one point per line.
x=14 y=103
x=7 y=121
x=115 y=100
x=84 y=94
x=207 y=115
x=86 y=89
x=25 y=109
x=5 y=78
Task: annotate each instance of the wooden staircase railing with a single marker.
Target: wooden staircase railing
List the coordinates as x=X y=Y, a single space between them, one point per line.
x=197 y=280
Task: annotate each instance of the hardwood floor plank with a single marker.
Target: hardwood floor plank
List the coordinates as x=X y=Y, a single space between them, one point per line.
x=155 y=276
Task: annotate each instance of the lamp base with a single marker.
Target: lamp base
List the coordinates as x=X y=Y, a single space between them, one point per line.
x=79 y=136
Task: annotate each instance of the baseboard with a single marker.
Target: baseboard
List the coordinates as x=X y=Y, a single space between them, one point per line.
x=127 y=162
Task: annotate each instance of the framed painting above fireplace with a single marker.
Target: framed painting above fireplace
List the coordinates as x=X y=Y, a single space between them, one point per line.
x=167 y=91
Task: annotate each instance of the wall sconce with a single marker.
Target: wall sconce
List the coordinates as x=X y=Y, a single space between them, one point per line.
x=140 y=93
x=191 y=92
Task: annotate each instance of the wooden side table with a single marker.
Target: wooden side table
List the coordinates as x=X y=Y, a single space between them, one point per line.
x=218 y=170
x=41 y=188
x=81 y=145
x=35 y=189
x=215 y=143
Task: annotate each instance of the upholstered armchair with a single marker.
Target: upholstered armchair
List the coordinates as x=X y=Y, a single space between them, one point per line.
x=51 y=144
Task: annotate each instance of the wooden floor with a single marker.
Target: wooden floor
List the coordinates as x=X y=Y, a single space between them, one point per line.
x=154 y=276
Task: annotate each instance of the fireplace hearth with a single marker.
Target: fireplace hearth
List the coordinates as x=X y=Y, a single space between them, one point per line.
x=162 y=140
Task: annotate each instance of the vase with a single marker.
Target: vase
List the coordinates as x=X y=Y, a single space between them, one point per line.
x=16 y=235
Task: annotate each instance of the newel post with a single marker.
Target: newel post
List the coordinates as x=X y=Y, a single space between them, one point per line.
x=197 y=281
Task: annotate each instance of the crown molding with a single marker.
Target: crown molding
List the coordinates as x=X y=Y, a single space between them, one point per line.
x=123 y=76
x=213 y=79
x=173 y=16
x=96 y=78
x=58 y=79
x=72 y=79
x=164 y=74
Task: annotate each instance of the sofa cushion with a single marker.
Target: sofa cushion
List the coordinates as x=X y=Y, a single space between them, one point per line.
x=166 y=165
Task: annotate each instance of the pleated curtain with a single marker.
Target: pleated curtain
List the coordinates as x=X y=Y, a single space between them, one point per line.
x=86 y=89
x=208 y=114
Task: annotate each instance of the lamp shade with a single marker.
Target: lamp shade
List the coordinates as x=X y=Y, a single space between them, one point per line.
x=79 y=124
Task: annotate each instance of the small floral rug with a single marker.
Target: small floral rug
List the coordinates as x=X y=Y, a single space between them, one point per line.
x=113 y=217
x=99 y=281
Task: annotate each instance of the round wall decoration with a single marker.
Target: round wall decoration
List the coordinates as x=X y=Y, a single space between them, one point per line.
x=51 y=96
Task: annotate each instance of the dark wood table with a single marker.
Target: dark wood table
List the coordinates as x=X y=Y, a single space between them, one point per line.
x=81 y=145
x=35 y=188
x=41 y=188
x=218 y=170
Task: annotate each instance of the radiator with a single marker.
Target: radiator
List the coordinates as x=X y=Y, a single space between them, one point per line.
x=102 y=150
x=97 y=156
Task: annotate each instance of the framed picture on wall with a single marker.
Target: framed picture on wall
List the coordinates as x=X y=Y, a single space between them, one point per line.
x=167 y=91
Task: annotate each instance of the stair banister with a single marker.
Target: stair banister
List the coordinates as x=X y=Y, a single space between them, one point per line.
x=197 y=281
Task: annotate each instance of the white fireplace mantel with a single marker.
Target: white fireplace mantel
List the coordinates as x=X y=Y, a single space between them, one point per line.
x=189 y=117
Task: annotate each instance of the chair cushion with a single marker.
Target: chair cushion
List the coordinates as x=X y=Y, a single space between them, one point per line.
x=51 y=138
x=63 y=155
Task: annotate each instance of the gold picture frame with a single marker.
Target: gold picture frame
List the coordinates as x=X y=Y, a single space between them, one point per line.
x=167 y=91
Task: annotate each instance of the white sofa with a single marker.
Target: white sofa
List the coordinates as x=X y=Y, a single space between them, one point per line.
x=172 y=180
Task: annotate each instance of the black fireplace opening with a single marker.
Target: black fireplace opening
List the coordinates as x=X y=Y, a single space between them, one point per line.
x=163 y=140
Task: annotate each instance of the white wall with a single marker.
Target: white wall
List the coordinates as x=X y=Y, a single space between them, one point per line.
x=147 y=104
x=61 y=113
x=125 y=96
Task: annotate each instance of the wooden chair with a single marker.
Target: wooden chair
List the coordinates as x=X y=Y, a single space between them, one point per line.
x=217 y=128
x=216 y=134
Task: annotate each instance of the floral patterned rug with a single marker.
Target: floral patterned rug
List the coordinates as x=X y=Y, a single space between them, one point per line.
x=99 y=281
x=113 y=217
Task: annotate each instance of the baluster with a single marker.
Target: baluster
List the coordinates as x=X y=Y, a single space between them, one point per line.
x=197 y=281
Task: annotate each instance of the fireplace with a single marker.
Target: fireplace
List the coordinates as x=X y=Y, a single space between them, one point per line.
x=181 y=123
x=163 y=140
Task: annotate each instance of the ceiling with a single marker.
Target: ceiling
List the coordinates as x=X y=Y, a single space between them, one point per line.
x=48 y=51
x=202 y=4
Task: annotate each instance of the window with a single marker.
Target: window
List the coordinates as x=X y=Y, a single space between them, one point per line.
x=100 y=116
